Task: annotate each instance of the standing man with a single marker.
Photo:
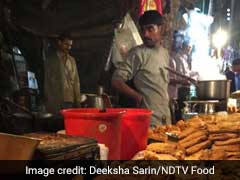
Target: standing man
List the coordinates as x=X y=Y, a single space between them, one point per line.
x=145 y=64
x=62 y=86
x=234 y=75
x=179 y=87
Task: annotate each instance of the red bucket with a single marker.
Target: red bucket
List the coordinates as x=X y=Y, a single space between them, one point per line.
x=134 y=131
x=90 y=122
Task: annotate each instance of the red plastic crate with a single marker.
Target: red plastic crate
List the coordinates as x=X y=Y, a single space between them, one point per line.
x=90 y=122
x=123 y=130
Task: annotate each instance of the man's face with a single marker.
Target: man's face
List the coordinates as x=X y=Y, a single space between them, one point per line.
x=187 y=49
x=151 y=34
x=65 y=45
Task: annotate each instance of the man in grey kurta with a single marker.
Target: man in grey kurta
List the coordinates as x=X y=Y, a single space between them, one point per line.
x=146 y=64
x=62 y=86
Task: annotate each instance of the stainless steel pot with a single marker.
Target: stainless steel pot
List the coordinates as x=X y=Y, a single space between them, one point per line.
x=97 y=101
x=208 y=90
x=213 y=89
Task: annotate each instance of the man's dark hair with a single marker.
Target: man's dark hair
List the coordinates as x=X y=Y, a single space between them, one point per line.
x=151 y=17
x=64 y=35
x=236 y=61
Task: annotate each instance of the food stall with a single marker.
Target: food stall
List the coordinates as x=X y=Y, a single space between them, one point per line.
x=27 y=31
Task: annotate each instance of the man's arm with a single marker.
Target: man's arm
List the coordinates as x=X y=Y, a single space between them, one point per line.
x=173 y=78
x=76 y=88
x=126 y=71
x=77 y=93
x=123 y=88
x=179 y=81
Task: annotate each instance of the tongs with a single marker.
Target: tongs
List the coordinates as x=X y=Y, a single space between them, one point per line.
x=172 y=136
x=181 y=75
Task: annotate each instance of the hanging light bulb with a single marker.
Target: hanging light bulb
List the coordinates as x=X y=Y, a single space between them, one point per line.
x=220 y=38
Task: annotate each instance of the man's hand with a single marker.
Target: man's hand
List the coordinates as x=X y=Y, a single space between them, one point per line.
x=138 y=99
x=185 y=82
x=180 y=81
x=122 y=87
